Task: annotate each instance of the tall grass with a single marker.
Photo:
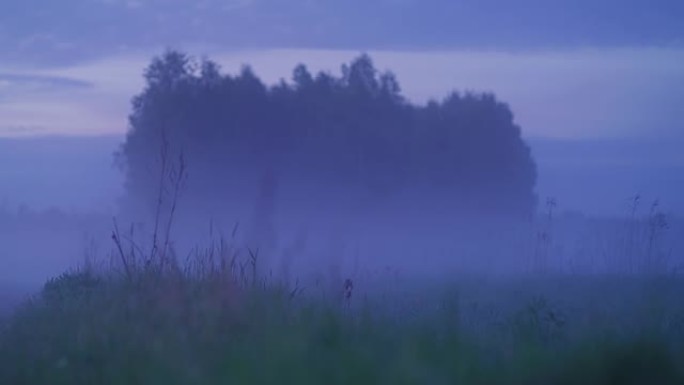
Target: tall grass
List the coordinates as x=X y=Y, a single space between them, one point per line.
x=149 y=316
x=215 y=320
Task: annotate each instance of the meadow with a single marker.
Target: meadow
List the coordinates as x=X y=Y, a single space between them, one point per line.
x=214 y=317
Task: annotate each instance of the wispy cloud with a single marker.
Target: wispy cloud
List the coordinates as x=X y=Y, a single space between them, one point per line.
x=55 y=31
x=31 y=80
x=22 y=130
x=18 y=86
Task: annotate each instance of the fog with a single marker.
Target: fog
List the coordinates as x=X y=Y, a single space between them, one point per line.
x=66 y=191
x=594 y=103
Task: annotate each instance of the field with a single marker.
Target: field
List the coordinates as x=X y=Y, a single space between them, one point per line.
x=569 y=300
x=216 y=320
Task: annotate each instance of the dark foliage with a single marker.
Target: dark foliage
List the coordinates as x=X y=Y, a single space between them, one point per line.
x=353 y=131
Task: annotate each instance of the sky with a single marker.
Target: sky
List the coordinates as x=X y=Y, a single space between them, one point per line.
x=582 y=71
x=568 y=69
x=70 y=30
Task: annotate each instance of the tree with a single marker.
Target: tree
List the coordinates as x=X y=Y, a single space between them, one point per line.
x=355 y=131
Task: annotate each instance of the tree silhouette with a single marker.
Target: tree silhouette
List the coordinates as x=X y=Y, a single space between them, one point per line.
x=354 y=131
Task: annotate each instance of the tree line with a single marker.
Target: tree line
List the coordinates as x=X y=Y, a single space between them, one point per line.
x=355 y=129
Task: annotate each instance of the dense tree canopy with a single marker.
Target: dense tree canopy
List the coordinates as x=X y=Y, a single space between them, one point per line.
x=353 y=130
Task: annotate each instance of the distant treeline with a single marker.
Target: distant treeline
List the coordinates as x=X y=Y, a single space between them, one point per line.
x=353 y=130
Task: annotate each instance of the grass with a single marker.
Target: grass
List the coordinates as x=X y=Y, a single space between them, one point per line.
x=219 y=324
x=217 y=319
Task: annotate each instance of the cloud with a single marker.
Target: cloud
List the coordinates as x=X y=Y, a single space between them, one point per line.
x=42 y=81
x=20 y=130
x=55 y=32
x=14 y=86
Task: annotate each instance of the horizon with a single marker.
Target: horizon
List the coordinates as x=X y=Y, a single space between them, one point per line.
x=619 y=169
